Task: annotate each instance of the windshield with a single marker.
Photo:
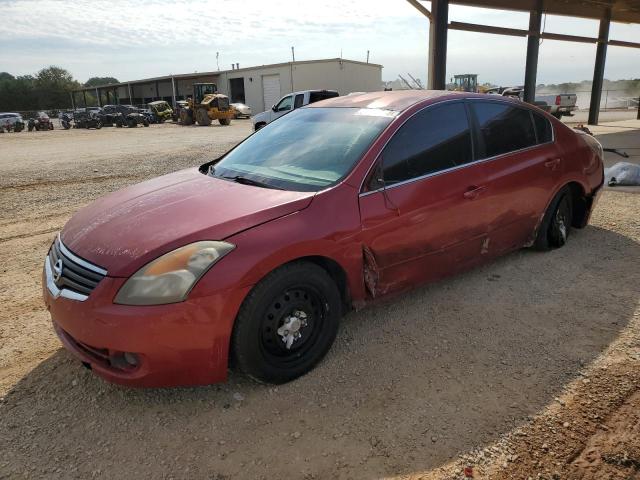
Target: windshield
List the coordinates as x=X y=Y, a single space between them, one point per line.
x=306 y=150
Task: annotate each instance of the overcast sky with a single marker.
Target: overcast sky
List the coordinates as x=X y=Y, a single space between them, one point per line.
x=131 y=40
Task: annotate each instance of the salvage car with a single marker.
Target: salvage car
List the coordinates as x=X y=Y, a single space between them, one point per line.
x=11 y=122
x=161 y=110
x=256 y=255
x=241 y=110
x=123 y=116
x=39 y=122
x=87 y=118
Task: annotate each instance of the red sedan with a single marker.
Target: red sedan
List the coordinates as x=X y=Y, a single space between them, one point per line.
x=255 y=256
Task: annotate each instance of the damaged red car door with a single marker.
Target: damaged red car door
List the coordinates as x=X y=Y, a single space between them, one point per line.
x=523 y=165
x=423 y=208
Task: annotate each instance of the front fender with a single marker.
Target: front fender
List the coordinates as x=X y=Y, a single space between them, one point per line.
x=316 y=231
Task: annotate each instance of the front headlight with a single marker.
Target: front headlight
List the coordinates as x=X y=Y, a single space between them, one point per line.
x=170 y=278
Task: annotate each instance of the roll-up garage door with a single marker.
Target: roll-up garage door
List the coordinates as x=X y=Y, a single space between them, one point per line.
x=270 y=90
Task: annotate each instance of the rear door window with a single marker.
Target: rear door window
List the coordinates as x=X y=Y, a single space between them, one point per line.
x=299 y=100
x=433 y=140
x=543 y=128
x=503 y=128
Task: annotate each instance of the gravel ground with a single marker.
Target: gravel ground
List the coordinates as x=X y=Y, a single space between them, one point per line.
x=526 y=368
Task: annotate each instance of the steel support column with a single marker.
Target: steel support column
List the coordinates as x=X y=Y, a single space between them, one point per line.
x=84 y=96
x=157 y=91
x=98 y=97
x=598 y=71
x=73 y=101
x=438 y=44
x=173 y=91
x=533 y=46
x=130 y=97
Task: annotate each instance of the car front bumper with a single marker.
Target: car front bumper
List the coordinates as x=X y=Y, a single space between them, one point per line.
x=184 y=343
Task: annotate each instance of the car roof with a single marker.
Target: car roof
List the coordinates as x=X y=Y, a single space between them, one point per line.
x=396 y=100
x=156 y=102
x=10 y=113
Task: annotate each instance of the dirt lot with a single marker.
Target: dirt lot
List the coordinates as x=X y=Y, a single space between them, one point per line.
x=526 y=368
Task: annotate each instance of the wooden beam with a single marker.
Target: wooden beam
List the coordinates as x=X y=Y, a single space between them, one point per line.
x=474 y=27
x=421 y=8
x=517 y=32
x=568 y=38
x=619 y=43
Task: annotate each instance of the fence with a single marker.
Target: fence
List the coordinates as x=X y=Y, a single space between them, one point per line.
x=610 y=100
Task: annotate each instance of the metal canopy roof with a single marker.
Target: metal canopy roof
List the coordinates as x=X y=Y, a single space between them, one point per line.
x=624 y=11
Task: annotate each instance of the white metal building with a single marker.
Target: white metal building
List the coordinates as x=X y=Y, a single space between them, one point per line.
x=259 y=87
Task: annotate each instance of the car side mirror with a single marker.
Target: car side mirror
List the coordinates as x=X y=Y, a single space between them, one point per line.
x=274 y=108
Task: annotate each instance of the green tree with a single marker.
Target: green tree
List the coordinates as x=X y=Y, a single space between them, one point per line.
x=99 y=81
x=53 y=86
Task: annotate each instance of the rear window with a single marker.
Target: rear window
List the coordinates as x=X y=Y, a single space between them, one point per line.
x=543 y=128
x=503 y=128
x=317 y=96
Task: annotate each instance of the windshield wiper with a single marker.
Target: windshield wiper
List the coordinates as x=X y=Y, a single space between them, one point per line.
x=249 y=181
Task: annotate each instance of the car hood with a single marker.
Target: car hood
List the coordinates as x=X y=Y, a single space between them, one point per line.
x=128 y=228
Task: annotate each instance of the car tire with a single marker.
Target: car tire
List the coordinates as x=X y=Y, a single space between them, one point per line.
x=556 y=223
x=145 y=122
x=98 y=125
x=224 y=121
x=131 y=123
x=300 y=297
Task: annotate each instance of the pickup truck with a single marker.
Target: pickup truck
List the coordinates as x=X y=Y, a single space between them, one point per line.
x=558 y=105
x=290 y=102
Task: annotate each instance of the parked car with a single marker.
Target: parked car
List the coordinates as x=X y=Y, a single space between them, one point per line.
x=241 y=110
x=11 y=122
x=87 y=118
x=161 y=110
x=291 y=102
x=40 y=121
x=124 y=115
x=257 y=254
x=148 y=114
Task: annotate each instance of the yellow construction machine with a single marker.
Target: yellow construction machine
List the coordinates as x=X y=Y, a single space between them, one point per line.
x=206 y=105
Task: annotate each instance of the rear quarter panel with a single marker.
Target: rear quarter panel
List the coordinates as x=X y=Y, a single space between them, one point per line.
x=581 y=163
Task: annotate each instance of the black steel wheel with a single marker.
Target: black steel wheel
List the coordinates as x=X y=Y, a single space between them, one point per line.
x=287 y=323
x=556 y=223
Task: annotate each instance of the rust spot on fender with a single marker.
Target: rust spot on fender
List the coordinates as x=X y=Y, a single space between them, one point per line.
x=370 y=271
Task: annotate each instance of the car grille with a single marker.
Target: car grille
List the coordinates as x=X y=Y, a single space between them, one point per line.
x=71 y=276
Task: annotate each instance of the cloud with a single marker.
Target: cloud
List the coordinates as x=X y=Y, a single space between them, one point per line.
x=131 y=40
